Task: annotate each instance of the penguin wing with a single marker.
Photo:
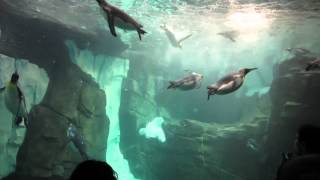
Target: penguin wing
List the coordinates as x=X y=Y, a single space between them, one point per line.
x=226 y=86
x=110 y=18
x=184 y=38
x=232 y=39
x=20 y=94
x=2 y=89
x=226 y=79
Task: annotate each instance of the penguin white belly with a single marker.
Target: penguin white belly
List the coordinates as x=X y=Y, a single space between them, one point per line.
x=230 y=86
x=12 y=102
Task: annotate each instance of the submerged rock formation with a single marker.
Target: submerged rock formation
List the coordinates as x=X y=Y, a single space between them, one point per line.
x=196 y=150
x=295 y=101
x=145 y=97
x=138 y=106
x=33 y=82
x=72 y=97
x=35 y=30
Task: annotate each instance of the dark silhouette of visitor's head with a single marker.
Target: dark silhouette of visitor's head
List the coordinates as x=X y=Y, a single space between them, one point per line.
x=307 y=140
x=93 y=170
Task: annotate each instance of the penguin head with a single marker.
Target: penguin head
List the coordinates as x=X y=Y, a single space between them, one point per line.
x=197 y=76
x=245 y=71
x=14 y=78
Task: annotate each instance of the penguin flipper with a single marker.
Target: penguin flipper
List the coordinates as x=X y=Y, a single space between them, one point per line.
x=232 y=39
x=226 y=86
x=184 y=38
x=172 y=85
x=20 y=94
x=140 y=31
x=111 y=23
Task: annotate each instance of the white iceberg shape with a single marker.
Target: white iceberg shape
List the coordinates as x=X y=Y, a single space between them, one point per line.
x=154 y=130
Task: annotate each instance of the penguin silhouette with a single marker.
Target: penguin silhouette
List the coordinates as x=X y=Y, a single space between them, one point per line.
x=229 y=83
x=117 y=17
x=15 y=101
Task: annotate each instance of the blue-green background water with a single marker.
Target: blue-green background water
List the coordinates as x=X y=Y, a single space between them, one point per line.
x=264 y=30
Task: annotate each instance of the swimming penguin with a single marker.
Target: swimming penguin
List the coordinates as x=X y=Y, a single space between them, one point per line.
x=298 y=51
x=231 y=35
x=229 y=83
x=77 y=139
x=312 y=65
x=117 y=17
x=172 y=38
x=192 y=81
x=15 y=101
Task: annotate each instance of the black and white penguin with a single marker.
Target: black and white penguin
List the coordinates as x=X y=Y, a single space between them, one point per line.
x=192 y=81
x=172 y=38
x=229 y=83
x=15 y=101
x=231 y=35
x=117 y=17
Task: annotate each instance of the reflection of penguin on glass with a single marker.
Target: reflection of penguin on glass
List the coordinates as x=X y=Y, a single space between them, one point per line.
x=14 y=100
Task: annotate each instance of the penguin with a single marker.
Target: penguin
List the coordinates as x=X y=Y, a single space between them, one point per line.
x=15 y=101
x=77 y=139
x=172 y=38
x=312 y=65
x=117 y=17
x=229 y=83
x=231 y=35
x=192 y=81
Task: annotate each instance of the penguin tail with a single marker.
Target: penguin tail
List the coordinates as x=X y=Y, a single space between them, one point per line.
x=172 y=85
x=211 y=92
x=141 y=31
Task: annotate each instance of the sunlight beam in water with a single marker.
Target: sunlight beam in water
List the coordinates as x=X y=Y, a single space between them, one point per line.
x=249 y=20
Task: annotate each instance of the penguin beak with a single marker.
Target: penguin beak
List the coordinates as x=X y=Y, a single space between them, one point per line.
x=250 y=69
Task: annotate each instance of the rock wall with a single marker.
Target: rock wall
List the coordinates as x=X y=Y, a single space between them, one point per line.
x=138 y=106
x=33 y=82
x=194 y=149
x=31 y=30
x=295 y=101
x=72 y=97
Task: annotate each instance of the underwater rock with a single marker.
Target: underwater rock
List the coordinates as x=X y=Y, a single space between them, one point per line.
x=46 y=138
x=197 y=150
x=295 y=101
x=36 y=30
x=138 y=106
x=31 y=76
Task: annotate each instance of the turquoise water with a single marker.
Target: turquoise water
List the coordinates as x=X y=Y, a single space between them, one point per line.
x=144 y=114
